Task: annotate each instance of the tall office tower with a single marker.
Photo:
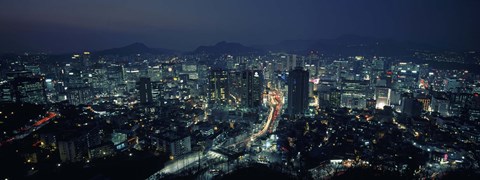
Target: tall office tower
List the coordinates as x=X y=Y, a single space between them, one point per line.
x=235 y=85
x=115 y=73
x=76 y=78
x=218 y=86
x=252 y=88
x=144 y=86
x=115 y=77
x=382 y=97
x=297 y=92
x=155 y=73
x=86 y=60
x=411 y=106
x=292 y=61
x=269 y=70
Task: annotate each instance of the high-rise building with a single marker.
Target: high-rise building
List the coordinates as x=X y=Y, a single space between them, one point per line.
x=115 y=76
x=297 y=92
x=235 y=85
x=72 y=147
x=353 y=100
x=29 y=90
x=425 y=100
x=382 y=97
x=459 y=102
x=14 y=74
x=34 y=69
x=79 y=95
x=155 y=73
x=76 y=78
x=411 y=106
x=252 y=88
x=441 y=105
x=5 y=92
x=67 y=152
x=144 y=86
x=173 y=143
x=86 y=61
x=218 y=86
x=452 y=85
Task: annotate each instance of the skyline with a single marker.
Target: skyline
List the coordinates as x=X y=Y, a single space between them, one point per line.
x=70 y=26
x=240 y=89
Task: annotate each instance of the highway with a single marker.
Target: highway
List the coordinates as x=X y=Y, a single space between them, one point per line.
x=278 y=108
x=24 y=132
x=275 y=107
x=275 y=103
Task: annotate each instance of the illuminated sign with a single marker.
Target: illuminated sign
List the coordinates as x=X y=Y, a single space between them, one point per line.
x=314 y=81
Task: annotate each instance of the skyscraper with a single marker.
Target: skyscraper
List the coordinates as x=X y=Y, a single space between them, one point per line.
x=252 y=88
x=144 y=86
x=29 y=90
x=297 y=92
x=218 y=86
x=382 y=97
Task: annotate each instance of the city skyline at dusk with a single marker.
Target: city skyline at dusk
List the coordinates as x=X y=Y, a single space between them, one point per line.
x=230 y=89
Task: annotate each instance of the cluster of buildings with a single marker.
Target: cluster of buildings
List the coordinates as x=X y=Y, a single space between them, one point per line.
x=176 y=105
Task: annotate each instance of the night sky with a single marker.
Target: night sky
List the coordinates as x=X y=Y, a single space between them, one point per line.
x=74 y=25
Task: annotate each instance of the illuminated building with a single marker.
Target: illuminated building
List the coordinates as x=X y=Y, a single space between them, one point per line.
x=144 y=86
x=458 y=102
x=252 y=88
x=79 y=95
x=86 y=61
x=29 y=90
x=297 y=92
x=72 y=148
x=382 y=97
x=154 y=73
x=425 y=100
x=14 y=74
x=353 y=101
x=441 y=105
x=6 y=93
x=101 y=151
x=218 y=86
x=35 y=70
x=452 y=85
x=173 y=143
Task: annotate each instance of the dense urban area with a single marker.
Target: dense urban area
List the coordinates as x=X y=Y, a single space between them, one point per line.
x=230 y=111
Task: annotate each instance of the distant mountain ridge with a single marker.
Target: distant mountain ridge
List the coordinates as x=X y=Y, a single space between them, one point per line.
x=135 y=48
x=343 y=45
x=227 y=48
x=349 y=45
